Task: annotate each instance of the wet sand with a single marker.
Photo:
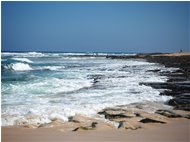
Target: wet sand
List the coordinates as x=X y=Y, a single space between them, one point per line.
x=174 y=131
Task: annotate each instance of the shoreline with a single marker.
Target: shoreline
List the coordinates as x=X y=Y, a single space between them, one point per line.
x=128 y=117
x=175 y=131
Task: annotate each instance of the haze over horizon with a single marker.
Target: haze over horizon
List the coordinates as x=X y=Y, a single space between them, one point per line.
x=133 y=27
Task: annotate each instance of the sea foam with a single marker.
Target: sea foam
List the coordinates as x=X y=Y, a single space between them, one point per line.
x=56 y=88
x=20 y=67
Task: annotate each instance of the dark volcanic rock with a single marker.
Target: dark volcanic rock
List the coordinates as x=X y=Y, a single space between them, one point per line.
x=179 y=80
x=178 y=84
x=156 y=70
x=182 y=102
x=149 y=120
x=175 y=86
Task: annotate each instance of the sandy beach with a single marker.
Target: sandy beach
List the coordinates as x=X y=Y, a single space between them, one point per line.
x=175 y=131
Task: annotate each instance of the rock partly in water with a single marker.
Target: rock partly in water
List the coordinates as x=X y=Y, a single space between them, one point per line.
x=116 y=113
x=181 y=101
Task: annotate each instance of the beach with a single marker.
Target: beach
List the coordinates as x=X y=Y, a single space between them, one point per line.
x=88 y=71
x=175 y=131
x=161 y=116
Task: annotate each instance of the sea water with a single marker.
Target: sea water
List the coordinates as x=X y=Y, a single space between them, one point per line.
x=37 y=88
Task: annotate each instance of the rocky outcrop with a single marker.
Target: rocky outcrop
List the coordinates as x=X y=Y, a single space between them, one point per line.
x=179 y=90
x=178 y=84
x=83 y=123
x=179 y=80
x=141 y=115
x=132 y=117
x=116 y=113
x=174 y=113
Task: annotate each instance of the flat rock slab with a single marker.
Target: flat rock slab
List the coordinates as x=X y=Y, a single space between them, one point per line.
x=174 y=113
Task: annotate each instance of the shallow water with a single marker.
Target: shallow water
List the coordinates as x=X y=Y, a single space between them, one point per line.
x=39 y=87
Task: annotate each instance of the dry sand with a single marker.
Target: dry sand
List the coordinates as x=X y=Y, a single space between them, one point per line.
x=175 y=131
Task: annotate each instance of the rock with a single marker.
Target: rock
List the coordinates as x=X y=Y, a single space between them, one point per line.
x=91 y=127
x=171 y=93
x=149 y=120
x=83 y=128
x=156 y=70
x=175 y=86
x=174 y=113
x=116 y=113
x=176 y=78
x=150 y=116
x=168 y=113
x=181 y=102
x=129 y=125
x=80 y=119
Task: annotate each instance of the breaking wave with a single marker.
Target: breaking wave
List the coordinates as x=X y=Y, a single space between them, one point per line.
x=18 y=67
x=23 y=60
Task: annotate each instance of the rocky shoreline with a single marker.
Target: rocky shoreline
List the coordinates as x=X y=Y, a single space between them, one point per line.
x=178 y=84
x=140 y=115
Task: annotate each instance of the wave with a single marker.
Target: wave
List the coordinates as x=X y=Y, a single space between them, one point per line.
x=23 y=54
x=35 y=54
x=53 y=68
x=18 y=67
x=23 y=60
x=24 y=67
x=50 y=86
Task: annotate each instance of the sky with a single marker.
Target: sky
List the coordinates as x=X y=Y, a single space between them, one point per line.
x=130 y=27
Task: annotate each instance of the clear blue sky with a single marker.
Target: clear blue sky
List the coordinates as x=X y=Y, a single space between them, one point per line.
x=96 y=26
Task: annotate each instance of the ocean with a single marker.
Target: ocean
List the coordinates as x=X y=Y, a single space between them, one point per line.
x=37 y=88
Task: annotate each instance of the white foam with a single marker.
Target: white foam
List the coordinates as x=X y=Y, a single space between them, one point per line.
x=23 y=60
x=49 y=97
x=53 y=68
x=48 y=86
x=20 y=67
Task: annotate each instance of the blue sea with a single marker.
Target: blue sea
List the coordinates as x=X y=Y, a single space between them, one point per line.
x=38 y=88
